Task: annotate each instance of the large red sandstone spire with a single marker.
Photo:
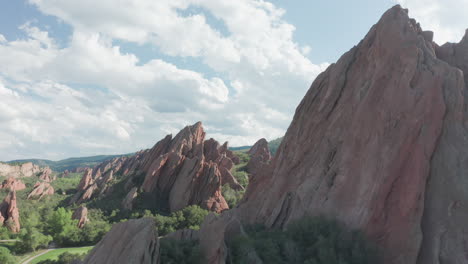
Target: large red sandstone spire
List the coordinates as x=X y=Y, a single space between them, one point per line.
x=378 y=142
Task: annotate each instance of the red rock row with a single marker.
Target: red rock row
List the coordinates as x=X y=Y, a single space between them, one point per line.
x=9 y=212
x=378 y=142
x=184 y=170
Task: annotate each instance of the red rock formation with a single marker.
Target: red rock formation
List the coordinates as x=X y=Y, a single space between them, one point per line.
x=13 y=184
x=46 y=175
x=9 y=213
x=259 y=156
x=127 y=203
x=81 y=214
x=133 y=241
x=378 y=142
x=40 y=190
x=183 y=170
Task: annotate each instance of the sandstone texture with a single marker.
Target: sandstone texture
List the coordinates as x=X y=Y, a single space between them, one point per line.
x=40 y=190
x=27 y=169
x=13 y=183
x=260 y=156
x=180 y=171
x=378 y=142
x=81 y=214
x=9 y=213
x=131 y=242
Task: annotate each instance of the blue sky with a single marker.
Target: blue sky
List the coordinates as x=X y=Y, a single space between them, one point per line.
x=83 y=77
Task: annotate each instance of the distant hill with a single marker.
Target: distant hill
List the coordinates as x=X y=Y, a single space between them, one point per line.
x=70 y=163
x=241 y=148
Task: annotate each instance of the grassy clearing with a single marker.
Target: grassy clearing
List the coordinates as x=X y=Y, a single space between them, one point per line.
x=53 y=255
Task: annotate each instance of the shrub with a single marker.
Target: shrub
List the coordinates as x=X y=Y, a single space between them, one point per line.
x=6 y=257
x=310 y=240
x=180 y=252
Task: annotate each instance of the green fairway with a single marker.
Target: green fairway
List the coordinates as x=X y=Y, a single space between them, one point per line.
x=53 y=254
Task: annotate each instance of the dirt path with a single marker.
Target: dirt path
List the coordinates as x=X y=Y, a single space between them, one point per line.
x=33 y=257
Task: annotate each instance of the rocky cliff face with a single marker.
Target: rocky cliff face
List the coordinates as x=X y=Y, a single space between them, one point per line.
x=180 y=171
x=9 y=213
x=378 y=142
x=134 y=241
x=27 y=169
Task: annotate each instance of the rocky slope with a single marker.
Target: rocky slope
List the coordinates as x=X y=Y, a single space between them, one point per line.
x=180 y=171
x=9 y=213
x=27 y=169
x=378 y=142
x=134 y=241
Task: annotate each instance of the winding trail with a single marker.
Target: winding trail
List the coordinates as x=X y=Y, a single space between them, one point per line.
x=35 y=256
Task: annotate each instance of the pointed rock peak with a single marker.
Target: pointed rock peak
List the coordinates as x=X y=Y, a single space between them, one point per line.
x=465 y=37
x=260 y=144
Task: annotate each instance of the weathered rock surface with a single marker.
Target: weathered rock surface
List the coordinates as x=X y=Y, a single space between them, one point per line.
x=13 y=183
x=27 y=169
x=180 y=171
x=81 y=214
x=259 y=156
x=378 y=142
x=40 y=190
x=131 y=242
x=127 y=203
x=9 y=213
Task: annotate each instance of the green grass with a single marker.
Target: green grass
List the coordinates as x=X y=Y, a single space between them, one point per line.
x=53 y=255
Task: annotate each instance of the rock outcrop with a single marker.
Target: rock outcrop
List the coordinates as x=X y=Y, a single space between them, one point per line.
x=259 y=156
x=40 y=190
x=127 y=203
x=130 y=242
x=379 y=143
x=27 y=169
x=9 y=213
x=81 y=214
x=46 y=175
x=180 y=171
x=13 y=183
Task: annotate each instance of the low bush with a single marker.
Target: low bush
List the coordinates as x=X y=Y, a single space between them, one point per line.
x=311 y=240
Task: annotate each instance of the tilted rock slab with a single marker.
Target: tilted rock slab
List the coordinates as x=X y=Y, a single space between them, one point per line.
x=379 y=142
x=131 y=242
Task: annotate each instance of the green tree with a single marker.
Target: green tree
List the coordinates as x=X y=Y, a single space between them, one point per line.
x=62 y=227
x=31 y=239
x=6 y=257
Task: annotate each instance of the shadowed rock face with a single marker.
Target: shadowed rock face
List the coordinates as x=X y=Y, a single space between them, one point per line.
x=81 y=214
x=9 y=213
x=378 y=142
x=180 y=171
x=130 y=242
